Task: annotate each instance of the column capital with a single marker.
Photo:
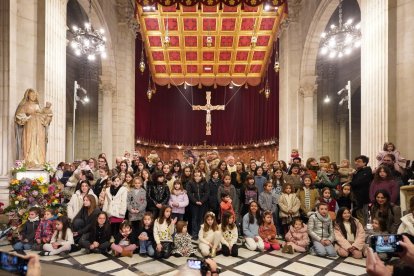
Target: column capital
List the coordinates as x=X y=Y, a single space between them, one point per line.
x=308 y=86
x=294 y=9
x=107 y=89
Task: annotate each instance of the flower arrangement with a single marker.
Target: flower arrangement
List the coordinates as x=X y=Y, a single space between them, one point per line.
x=27 y=193
x=21 y=166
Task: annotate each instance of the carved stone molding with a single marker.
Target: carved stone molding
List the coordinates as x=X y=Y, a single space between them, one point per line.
x=107 y=89
x=126 y=15
x=295 y=7
x=308 y=86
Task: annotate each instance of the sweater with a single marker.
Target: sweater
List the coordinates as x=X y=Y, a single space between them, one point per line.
x=229 y=236
x=320 y=227
x=182 y=199
x=99 y=234
x=149 y=232
x=267 y=202
x=231 y=190
x=206 y=237
x=407 y=225
x=63 y=240
x=249 y=194
x=226 y=207
x=136 y=199
x=299 y=237
x=87 y=219
x=313 y=197
x=163 y=232
x=260 y=181
x=295 y=180
x=345 y=243
x=391 y=186
x=250 y=230
x=130 y=239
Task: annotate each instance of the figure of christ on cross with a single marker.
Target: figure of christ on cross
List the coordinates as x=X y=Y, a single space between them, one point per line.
x=208 y=108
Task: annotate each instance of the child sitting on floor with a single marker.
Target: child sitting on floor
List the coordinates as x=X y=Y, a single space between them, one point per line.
x=61 y=240
x=267 y=232
x=297 y=238
x=182 y=241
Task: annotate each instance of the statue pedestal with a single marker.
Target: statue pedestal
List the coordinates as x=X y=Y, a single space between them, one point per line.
x=33 y=174
x=406 y=192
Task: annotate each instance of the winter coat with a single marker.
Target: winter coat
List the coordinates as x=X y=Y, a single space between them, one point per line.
x=313 y=197
x=266 y=231
x=157 y=193
x=45 y=229
x=213 y=202
x=116 y=206
x=136 y=199
x=320 y=227
x=391 y=186
x=183 y=245
x=407 y=225
x=360 y=186
x=289 y=202
x=29 y=230
x=198 y=192
x=233 y=195
x=181 y=199
x=342 y=240
x=76 y=203
x=238 y=182
x=267 y=202
x=299 y=237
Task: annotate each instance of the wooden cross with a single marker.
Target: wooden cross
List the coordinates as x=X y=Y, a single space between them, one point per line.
x=208 y=108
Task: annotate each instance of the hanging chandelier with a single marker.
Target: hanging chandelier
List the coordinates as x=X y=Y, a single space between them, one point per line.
x=88 y=41
x=342 y=39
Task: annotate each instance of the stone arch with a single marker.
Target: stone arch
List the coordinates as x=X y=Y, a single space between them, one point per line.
x=310 y=50
x=98 y=19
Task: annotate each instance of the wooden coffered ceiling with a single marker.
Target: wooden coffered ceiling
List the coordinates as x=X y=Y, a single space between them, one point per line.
x=231 y=57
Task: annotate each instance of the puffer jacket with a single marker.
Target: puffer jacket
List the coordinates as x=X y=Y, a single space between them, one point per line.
x=198 y=192
x=137 y=199
x=182 y=199
x=116 y=206
x=320 y=227
x=407 y=225
x=299 y=237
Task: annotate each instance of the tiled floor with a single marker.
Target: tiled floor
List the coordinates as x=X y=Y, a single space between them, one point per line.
x=248 y=263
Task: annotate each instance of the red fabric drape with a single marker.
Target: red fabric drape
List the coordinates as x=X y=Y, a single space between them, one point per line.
x=168 y=117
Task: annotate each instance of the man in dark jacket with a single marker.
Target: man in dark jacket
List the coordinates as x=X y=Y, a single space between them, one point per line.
x=360 y=183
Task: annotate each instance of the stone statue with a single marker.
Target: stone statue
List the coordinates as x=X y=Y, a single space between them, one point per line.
x=32 y=123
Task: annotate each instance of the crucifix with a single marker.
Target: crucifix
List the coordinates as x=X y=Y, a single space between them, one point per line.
x=208 y=108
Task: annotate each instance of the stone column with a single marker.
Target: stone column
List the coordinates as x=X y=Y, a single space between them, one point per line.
x=106 y=91
x=307 y=91
x=343 y=141
x=54 y=79
x=375 y=98
x=8 y=10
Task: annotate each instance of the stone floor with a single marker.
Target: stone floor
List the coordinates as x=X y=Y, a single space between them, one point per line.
x=248 y=263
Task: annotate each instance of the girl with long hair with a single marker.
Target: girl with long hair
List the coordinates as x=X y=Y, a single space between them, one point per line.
x=209 y=236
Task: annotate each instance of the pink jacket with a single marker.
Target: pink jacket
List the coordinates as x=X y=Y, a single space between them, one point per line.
x=359 y=241
x=181 y=199
x=299 y=237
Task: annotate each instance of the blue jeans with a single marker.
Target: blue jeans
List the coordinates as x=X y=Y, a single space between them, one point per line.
x=324 y=250
x=22 y=246
x=145 y=247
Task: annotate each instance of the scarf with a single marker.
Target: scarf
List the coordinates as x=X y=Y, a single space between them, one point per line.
x=33 y=220
x=114 y=190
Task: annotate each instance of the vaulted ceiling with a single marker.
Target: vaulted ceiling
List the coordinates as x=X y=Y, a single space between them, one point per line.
x=209 y=44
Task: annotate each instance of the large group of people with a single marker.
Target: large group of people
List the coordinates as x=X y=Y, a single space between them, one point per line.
x=155 y=208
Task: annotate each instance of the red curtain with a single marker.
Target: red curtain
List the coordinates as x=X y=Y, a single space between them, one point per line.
x=248 y=117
